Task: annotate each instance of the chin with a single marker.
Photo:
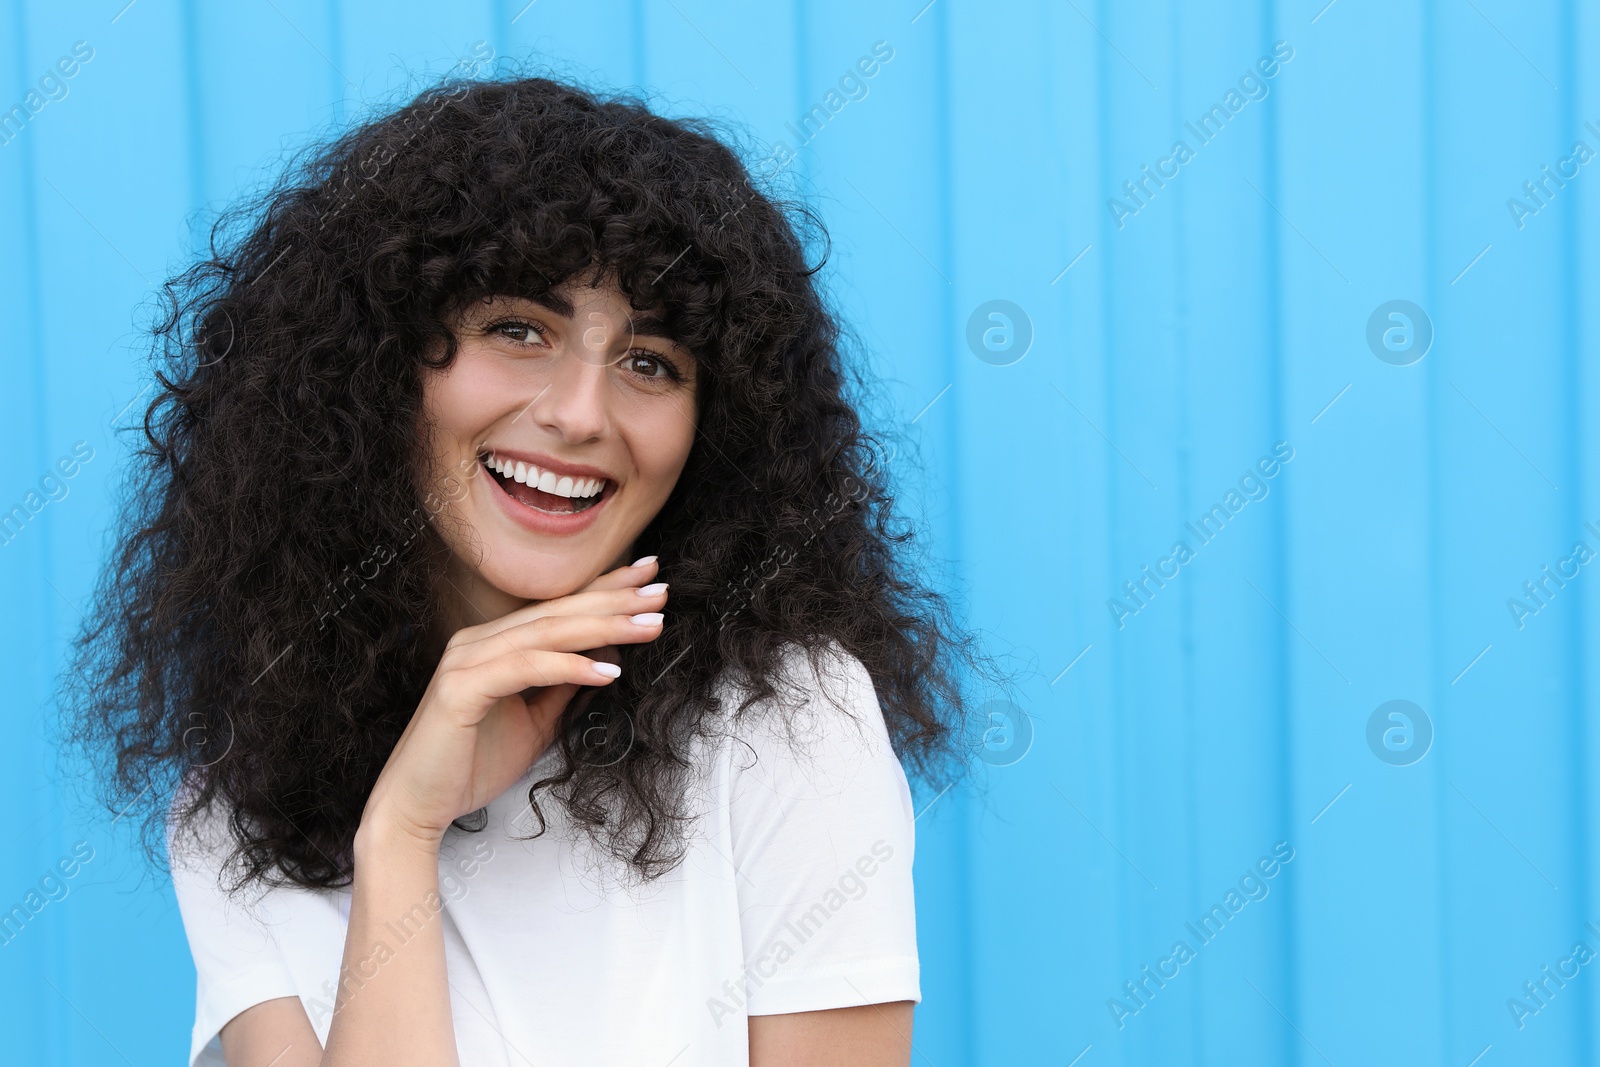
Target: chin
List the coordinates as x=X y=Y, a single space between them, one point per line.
x=540 y=575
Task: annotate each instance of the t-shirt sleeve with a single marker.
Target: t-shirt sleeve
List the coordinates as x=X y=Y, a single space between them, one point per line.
x=237 y=961
x=822 y=838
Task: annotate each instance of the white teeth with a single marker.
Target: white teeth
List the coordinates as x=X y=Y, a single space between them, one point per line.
x=547 y=481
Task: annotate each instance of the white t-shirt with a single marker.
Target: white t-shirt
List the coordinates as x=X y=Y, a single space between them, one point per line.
x=795 y=895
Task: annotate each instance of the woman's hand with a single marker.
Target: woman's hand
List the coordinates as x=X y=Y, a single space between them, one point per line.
x=496 y=697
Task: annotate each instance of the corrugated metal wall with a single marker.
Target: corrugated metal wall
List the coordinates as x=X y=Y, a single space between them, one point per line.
x=1211 y=361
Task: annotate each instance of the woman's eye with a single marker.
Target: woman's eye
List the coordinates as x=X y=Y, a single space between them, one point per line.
x=520 y=332
x=651 y=366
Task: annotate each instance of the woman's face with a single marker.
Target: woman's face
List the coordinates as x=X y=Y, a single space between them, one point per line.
x=564 y=425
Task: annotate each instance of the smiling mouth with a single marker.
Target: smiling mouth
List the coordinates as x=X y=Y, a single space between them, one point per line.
x=556 y=498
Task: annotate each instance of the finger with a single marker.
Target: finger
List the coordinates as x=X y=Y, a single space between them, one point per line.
x=628 y=600
x=632 y=576
x=562 y=633
x=469 y=692
x=636 y=573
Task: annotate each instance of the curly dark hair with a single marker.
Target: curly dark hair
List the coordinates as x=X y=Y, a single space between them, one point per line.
x=261 y=632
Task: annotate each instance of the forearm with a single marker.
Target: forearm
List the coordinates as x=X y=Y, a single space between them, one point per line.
x=393 y=1002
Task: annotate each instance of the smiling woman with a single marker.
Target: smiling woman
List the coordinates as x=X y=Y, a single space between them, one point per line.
x=535 y=345
x=533 y=385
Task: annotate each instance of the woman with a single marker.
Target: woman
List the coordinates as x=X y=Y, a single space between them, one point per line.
x=445 y=777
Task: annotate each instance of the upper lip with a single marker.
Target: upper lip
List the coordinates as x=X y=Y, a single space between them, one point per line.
x=560 y=468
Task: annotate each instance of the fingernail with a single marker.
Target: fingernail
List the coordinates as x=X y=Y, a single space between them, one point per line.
x=610 y=670
x=648 y=618
x=641 y=562
x=653 y=589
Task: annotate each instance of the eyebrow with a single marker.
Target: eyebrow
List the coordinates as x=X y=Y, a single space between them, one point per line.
x=648 y=325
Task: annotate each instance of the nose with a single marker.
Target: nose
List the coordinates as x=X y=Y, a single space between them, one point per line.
x=572 y=403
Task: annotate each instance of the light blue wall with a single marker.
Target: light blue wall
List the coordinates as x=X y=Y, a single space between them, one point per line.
x=1172 y=347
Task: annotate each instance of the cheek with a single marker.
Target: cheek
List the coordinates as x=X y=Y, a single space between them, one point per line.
x=454 y=404
x=459 y=398
x=660 y=444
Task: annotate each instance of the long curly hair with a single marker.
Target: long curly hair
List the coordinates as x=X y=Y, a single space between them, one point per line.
x=260 y=633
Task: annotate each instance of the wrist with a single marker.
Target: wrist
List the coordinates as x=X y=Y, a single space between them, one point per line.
x=381 y=834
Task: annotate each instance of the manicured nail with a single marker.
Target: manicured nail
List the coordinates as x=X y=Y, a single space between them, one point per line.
x=641 y=562
x=653 y=589
x=610 y=670
x=648 y=618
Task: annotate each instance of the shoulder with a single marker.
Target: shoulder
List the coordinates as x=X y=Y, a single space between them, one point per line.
x=205 y=863
x=822 y=697
x=815 y=751
x=822 y=838
x=198 y=840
